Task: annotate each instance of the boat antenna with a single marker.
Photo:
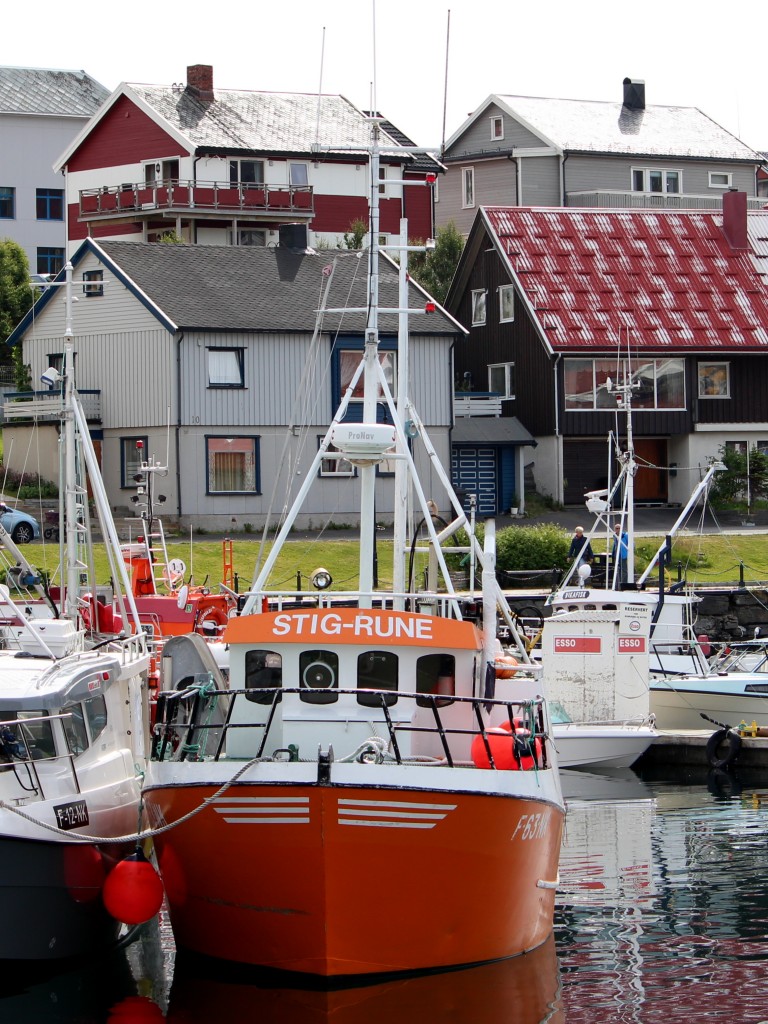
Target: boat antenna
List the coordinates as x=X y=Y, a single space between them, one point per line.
x=320 y=89
x=445 y=84
x=374 y=108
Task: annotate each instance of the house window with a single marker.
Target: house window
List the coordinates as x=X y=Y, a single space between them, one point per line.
x=232 y=465
x=382 y=180
x=501 y=379
x=298 y=174
x=226 y=367
x=93 y=283
x=335 y=467
x=249 y=171
x=719 y=179
x=251 y=236
x=349 y=361
x=133 y=451
x=7 y=202
x=478 y=307
x=506 y=303
x=50 y=259
x=651 y=179
x=468 y=187
x=49 y=203
x=714 y=380
x=661 y=383
x=497 y=128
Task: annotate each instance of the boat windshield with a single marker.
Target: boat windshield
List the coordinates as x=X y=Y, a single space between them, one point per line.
x=25 y=735
x=558 y=714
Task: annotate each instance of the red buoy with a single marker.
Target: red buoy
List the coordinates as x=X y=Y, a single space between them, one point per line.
x=502 y=746
x=133 y=892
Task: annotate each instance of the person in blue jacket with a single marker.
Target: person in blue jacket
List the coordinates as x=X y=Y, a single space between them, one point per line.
x=580 y=547
x=620 y=552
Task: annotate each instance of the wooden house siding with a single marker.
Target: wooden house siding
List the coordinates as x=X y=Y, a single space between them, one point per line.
x=748 y=387
x=124 y=135
x=539 y=180
x=585 y=173
x=417 y=207
x=476 y=140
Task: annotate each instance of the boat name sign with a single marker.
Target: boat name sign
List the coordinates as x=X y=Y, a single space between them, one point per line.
x=331 y=624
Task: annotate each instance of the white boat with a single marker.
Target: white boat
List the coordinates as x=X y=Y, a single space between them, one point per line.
x=73 y=731
x=360 y=799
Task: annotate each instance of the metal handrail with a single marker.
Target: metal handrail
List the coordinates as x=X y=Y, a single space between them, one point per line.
x=172 y=732
x=193 y=195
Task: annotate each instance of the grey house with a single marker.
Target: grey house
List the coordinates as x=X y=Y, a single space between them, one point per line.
x=538 y=151
x=41 y=111
x=217 y=359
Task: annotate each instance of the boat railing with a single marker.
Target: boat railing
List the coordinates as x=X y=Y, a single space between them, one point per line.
x=185 y=728
x=441 y=604
x=32 y=787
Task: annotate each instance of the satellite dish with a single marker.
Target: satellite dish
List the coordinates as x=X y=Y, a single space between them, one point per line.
x=181 y=599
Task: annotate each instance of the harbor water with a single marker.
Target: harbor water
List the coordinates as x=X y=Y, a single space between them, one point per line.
x=662 y=916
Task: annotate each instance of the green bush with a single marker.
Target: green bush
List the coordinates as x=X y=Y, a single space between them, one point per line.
x=543 y=546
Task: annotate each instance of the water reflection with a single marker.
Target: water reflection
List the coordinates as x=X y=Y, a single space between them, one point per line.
x=524 y=990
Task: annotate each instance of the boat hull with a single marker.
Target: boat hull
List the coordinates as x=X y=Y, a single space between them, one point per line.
x=680 y=702
x=601 y=745
x=337 y=880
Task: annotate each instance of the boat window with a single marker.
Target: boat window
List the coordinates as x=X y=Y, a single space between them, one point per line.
x=756 y=688
x=74 y=728
x=319 y=676
x=96 y=713
x=263 y=671
x=377 y=670
x=30 y=736
x=435 y=673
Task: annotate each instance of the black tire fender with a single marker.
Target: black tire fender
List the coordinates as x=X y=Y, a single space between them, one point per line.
x=732 y=750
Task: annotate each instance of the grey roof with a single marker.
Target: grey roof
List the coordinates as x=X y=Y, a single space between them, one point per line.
x=491 y=430
x=602 y=127
x=49 y=91
x=256 y=289
x=260 y=121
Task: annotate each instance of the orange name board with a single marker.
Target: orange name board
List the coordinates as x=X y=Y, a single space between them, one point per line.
x=577 y=645
x=631 y=645
x=370 y=626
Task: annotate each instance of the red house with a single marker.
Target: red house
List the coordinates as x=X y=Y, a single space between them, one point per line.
x=224 y=167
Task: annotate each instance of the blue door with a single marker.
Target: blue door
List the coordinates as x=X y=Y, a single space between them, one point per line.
x=474 y=470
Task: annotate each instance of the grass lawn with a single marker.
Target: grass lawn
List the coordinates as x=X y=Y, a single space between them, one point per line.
x=704 y=560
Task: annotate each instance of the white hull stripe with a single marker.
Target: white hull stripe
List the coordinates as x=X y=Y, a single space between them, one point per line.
x=267 y=821
x=391 y=813
x=263 y=810
x=346 y=802
x=388 y=824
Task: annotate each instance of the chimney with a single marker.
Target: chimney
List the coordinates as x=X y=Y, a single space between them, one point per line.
x=293 y=237
x=735 y=218
x=634 y=94
x=200 y=81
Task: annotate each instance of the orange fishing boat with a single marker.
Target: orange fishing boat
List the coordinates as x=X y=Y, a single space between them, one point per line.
x=358 y=798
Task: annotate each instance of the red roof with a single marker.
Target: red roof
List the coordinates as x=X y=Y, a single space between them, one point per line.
x=672 y=278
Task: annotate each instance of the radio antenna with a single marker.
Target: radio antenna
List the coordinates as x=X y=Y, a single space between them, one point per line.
x=374 y=107
x=320 y=89
x=445 y=86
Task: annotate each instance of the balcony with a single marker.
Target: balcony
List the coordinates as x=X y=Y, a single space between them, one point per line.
x=207 y=200
x=48 y=405
x=476 y=403
x=604 y=199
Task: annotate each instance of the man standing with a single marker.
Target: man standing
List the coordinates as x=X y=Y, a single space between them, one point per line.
x=580 y=547
x=620 y=553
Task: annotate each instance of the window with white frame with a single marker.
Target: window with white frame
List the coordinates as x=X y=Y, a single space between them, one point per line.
x=349 y=361
x=382 y=180
x=232 y=465
x=714 y=380
x=93 y=283
x=298 y=174
x=478 y=306
x=337 y=466
x=226 y=367
x=720 y=179
x=251 y=236
x=497 y=128
x=133 y=451
x=501 y=379
x=506 y=303
x=249 y=171
x=660 y=383
x=468 y=187
x=655 y=179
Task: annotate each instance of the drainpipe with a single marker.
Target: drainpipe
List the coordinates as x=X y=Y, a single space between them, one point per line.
x=558 y=439
x=179 y=339
x=516 y=162
x=563 y=158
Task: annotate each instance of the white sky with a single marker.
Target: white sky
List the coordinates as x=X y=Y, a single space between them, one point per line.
x=686 y=55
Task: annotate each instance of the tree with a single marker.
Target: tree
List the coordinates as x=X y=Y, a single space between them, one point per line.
x=434 y=270
x=16 y=297
x=744 y=480
x=358 y=229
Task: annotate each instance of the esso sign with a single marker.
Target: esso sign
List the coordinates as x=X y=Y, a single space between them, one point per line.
x=577 y=645
x=631 y=645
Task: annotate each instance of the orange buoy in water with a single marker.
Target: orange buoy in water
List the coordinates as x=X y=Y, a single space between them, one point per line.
x=704 y=645
x=504 y=660
x=133 y=892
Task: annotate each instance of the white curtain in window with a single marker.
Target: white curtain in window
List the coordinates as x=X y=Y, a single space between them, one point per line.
x=224 y=366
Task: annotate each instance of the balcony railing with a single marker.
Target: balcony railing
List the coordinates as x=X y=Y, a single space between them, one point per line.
x=606 y=199
x=477 y=403
x=48 y=405
x=201 y=198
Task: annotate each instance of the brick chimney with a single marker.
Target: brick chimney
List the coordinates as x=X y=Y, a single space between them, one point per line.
x=634 y=93
x=735 y=218
x=200 y=81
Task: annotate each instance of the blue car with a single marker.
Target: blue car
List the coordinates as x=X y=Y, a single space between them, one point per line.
x=22 y=528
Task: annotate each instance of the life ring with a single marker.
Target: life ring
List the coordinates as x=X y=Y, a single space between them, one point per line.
x=732 y=750
x=212 y=614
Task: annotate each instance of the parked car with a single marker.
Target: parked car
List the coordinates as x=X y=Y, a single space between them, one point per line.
x=22 y=528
